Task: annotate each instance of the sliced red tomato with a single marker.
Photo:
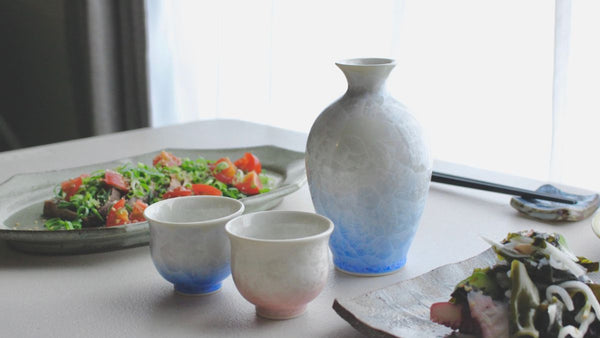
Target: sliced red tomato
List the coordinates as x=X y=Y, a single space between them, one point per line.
x=177 y=192
x=70 y=187
x=249 y=163
x=250 y=184
x=205 y=189
x=224 y=170
x=117 y=215
x=166 y=159
x=137 y=214
x=116 y=180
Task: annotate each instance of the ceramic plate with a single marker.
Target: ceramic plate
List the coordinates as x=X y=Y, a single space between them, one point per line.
x=402 y=309
x=22 y=198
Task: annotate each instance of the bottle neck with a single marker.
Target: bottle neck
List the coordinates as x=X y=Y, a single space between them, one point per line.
x=366 y=75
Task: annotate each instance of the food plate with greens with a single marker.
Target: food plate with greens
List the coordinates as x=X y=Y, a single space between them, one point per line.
x=97 y=207
x=529 y=285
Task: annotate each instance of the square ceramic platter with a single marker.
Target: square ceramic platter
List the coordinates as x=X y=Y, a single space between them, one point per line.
x=22 y=198
x=402 y=309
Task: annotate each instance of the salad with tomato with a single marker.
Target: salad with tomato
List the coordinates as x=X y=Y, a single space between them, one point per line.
x=119 y=196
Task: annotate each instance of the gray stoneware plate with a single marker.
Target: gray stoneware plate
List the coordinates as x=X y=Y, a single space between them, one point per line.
x=22 y=198
x=402 y=309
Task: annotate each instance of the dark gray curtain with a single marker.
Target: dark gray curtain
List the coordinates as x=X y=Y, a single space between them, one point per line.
x=71 y=69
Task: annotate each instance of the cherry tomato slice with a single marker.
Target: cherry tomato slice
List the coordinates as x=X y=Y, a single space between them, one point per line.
x=137 y=214
x=250 y=184
x=224 y=170
x=205 y=189
x=70 y=187
x=117 y=215
x=177 y=192
x=116 y=180
x=248 y=163
x=166 y=159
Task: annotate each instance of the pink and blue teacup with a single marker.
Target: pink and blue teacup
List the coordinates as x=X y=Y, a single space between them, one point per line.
x=280 y=260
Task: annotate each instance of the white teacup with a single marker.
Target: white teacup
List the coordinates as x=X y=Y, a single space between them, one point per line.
x=188 y=243
x=279 y=260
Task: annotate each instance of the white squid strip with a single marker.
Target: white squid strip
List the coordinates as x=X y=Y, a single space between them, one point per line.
x=586 y=323
x=575 y=268
x=584 y=313
x=569 y=331
x=591 y=298
x=500 y=247
x=564 y=295
x=552 y=314
x=576 y=332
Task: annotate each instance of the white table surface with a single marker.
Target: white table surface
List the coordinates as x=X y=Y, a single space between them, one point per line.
x=120 y=294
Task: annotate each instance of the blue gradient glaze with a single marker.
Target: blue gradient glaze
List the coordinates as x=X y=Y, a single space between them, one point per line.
x=196 y=283
x=368 y=168
x=185 y=287
x=370 y=243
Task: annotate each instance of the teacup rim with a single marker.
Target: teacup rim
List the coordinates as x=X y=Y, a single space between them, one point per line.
x=324 y=233
x=226 y=218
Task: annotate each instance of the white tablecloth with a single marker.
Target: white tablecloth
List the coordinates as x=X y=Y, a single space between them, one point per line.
x=120 y=294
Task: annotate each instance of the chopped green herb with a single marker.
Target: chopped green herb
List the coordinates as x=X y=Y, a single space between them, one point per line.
x=59 y=224
x=90 y=202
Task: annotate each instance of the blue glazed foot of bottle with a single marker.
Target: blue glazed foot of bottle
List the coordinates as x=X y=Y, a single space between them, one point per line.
x=370 y=271
x=197 y=290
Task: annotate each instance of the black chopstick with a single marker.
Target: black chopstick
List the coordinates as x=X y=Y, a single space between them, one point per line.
x=488 y=186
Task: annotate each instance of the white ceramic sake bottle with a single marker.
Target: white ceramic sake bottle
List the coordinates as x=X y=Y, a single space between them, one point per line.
x=369 y=170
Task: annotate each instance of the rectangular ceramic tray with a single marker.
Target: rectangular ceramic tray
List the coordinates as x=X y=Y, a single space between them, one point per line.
x=22 y=198
x=402 y=309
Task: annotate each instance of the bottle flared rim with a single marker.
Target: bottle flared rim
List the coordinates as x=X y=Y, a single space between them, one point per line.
x=366 y=62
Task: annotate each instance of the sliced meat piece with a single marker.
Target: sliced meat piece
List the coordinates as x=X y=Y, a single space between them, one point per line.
x=52 y=210
x=491 y=315
x=447 y=314
x=454 y=316
x=113 y=196
x=91 y=222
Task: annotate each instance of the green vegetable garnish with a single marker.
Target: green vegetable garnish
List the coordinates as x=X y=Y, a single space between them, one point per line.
x=524 y=301
x=147 y=183
x=59 y=224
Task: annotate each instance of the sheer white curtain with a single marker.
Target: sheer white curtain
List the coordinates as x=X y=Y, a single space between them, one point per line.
x=507 y=86
x=578 y=155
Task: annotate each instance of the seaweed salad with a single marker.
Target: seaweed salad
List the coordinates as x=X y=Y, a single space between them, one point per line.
x=539 y=288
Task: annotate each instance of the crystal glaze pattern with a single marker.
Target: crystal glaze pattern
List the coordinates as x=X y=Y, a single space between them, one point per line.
x=279 y=260
x=369 y=170
x=188 y=243
x=201 y=267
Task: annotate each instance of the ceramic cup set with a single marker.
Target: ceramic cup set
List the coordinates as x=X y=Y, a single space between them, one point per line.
x=279 y=259
x=368 y=169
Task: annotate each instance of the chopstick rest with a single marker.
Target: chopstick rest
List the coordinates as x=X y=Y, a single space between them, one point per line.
x=553 y=211
x=547 y=203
